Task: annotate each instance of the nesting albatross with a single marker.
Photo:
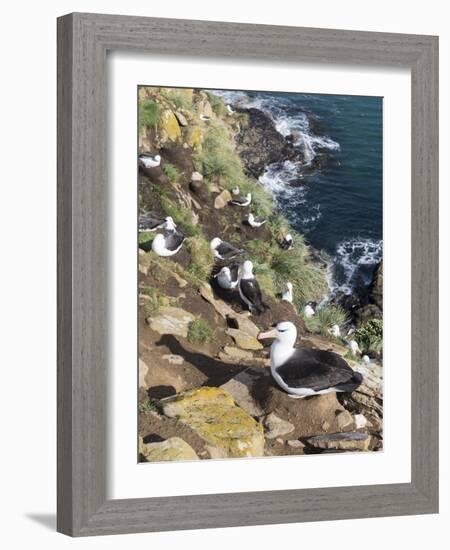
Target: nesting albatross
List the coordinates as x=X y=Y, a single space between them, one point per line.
x=146 y=160
x=150 y=222
x=250 y=291
x=228 y=277
x=242 y=201
x=224 y=250
x=167 y=243
x=302 y=372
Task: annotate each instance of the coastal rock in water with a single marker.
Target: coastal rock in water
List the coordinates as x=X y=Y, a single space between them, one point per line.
x=173 y=448
x=143 y=370
x=227 y=430
x=376 y=289
x=348 y=441
x=275 y=426
x=259 y=144
x=171 y=320
x=222 y=200
x=244 y=340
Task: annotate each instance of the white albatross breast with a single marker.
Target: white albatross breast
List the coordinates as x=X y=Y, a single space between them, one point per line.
x=242 y=201
x=167 y=243
x=147 y=160
x=255 y=221
x=250 y=291
x=228 y=277
x=302 y=372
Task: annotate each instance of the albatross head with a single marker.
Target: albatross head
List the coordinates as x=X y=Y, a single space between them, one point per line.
x=215 y=243
x=224 y=271
x=247 y=270
x=285 y=333
x=251 y=218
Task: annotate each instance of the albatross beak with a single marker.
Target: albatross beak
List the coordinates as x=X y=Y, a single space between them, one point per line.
x=269 y=334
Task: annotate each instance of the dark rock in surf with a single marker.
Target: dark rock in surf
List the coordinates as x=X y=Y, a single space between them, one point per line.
x=259 y=144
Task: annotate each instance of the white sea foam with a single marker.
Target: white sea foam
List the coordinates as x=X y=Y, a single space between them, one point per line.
x=286 y=123
x=351 y=256
x=277 y=176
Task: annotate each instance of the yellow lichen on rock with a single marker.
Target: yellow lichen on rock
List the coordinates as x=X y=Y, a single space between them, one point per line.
x=173 y=448
x=170 y=129
x=195 y=137
x=227 y=430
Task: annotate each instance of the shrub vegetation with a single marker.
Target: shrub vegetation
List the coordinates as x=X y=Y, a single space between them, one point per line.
x=199 y=331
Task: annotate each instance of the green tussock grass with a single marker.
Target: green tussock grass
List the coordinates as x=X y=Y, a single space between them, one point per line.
x=217 y=104
x=370 y=336
x=146 y=406
x=171 y=171
x=181 y=215
x=178 y=99
x=324 y=318
x=199 y=332
x=154 y=302
x=220 y=163
x=279 y=266
x=201 y=258
x=149 y=113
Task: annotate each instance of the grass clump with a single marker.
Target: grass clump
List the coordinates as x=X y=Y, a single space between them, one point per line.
x=370 y=336
x=309 y=281
x=219 y=162
x=149 y=113
x=146 y=406
x=199 y=331
x=154 y=301
x=324 y=318
x=171 y=171
x=178 y=99
x=181 y=215
x=217 y=104
x=201 y=258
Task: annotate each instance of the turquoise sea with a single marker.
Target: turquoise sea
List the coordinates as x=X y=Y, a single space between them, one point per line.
x=337 y=205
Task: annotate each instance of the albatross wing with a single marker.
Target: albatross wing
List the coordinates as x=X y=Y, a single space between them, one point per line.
x=318 y=370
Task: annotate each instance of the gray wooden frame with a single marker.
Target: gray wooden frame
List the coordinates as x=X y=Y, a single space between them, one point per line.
x=83 y=41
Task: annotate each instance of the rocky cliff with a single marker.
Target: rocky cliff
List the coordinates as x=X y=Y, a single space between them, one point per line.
x=205 y=386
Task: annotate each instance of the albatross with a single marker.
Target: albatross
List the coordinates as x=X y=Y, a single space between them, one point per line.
x=228 y=277
x=149 y=222
x=288 y=294
x=242 y=201
x=224 y=250
x=250 y=291
x=255 y=221
x=302 y=372
x=147 y=160
x=167 y=243
x=287 y=243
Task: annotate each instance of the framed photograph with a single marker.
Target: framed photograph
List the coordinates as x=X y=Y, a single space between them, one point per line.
x=247 y=274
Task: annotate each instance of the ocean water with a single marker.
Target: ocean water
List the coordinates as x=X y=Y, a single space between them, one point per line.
x=338 y=207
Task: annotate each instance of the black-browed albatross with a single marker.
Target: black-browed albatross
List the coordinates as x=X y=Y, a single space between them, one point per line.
x=167 y=243
x=302 y=372
x=223 y=250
